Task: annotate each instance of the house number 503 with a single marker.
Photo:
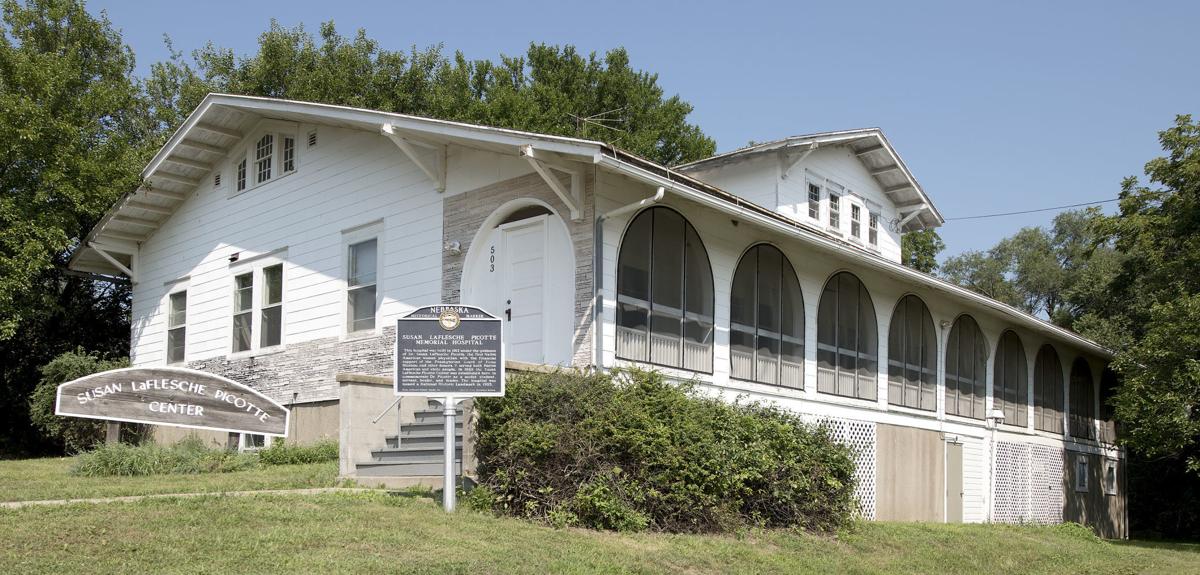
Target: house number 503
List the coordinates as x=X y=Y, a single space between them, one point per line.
x=492 y=260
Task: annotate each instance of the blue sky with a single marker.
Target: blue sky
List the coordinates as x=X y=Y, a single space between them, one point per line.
x=995 y=108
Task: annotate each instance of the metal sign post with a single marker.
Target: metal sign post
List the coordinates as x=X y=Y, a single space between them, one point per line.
x=449 y=478
x=453 y=352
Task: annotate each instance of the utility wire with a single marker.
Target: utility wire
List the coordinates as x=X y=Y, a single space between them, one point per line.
x=1032 y=211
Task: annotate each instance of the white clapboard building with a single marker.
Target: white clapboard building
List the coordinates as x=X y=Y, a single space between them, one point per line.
x=276 y=242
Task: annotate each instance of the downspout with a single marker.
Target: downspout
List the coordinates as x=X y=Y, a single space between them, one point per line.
x=598 y=271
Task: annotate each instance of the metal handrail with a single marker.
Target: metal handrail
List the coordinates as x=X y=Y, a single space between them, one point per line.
x=389 y=408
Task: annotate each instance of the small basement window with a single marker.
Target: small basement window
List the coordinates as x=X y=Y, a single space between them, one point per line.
x=1081 y=472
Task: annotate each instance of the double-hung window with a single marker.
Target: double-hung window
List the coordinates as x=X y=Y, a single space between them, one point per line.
x=258 y=307
x=361 y=285
x=176 y=327
x=855 y=221
x=814 y=201
x=873 y=228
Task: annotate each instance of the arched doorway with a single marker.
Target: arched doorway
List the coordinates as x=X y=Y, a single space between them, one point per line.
x=521 y=267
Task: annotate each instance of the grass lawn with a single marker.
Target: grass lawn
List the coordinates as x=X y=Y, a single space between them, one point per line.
x=32 y=479
x=374 y=532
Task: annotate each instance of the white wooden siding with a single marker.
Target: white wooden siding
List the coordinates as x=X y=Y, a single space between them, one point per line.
x=349 y=179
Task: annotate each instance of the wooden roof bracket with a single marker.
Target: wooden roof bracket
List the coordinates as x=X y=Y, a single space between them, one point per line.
x=573 y=198
x=790 y=163
x=435 y=171
x=102 y=250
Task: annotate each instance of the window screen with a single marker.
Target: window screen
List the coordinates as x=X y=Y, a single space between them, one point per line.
x=664 y=293
x=243 y=311
x=766 y=333
x=1083 y=396
x=912 y=356
x=847 y=363
x=966 y=369
x=1010 y=383
x=1048 y=391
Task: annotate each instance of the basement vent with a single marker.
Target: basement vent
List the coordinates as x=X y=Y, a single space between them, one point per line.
x=217 y=180
x=312 y=139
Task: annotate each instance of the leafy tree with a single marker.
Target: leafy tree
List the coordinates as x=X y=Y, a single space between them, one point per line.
x=1155 y=300
x=75 y=434
x=551 y=89
x=919 y=250
x=1058 y=273
x=72 y=139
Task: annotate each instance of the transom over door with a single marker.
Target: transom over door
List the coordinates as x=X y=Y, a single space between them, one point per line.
x=523 y=286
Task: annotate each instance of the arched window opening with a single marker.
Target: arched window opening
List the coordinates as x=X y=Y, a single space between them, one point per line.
x=1048 y=391
x=1083 y=400
x=1010 y=387
x=847 y=356
x=1109 y=382
x=664 y=293
x=912 y=356
x=966 y=369
x=766 y=331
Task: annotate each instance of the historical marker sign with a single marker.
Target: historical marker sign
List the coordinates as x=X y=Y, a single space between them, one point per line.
x=172 y=396
x=449 y=350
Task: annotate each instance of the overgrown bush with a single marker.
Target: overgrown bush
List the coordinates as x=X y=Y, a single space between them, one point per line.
x=191 y=455
x=632 y=451
x=283 y=453
x=187 y=456
x=76 y=433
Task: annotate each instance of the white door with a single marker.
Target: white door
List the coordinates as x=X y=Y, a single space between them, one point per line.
x=523 y=252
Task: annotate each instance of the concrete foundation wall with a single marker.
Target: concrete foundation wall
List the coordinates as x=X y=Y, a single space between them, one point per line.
x=911 y=474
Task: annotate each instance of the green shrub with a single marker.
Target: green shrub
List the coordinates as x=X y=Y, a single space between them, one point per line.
x=283 y=453
x=632 y=451
x=76 y=433
x=187 y=456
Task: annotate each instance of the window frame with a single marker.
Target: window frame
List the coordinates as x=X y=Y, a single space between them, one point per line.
x=981 y=344
x=180 y=327
x=904 y=366
x=1048 y=359
x=1020 y=406
x=833 y=220
x=685 y=314
x=1075 y=419
x=870 y=357
x=244 y=440
x=351 y=237
x=1110 y=465
x=856 y=210
x=1082 y=470
x=256 y=267
x=785 y=268
x=813 y=186
x=873 y=228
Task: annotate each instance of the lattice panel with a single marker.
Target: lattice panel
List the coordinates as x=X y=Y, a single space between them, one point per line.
x=1028 y=484
x=1010 y=484
x=1046 y=484
x=860 y=436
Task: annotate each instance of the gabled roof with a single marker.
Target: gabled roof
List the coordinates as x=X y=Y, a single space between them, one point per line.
x=872 y=148
x=221 y=120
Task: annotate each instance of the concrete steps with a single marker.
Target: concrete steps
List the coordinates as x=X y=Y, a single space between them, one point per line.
x=417 y=453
